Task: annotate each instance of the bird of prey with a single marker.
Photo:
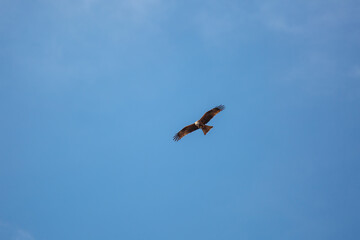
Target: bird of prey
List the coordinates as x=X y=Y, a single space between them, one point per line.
x=200 y=123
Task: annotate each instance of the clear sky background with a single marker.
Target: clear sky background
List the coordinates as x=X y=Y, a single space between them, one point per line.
x=92 y=92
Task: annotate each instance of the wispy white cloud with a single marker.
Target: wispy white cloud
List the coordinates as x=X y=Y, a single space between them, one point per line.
x=289 y=17
x=88 y=4
x=218 y=23
x=280 y=24
x=143 y=8
x=321 y=74
x=130 y=10
x=318 y=29
x=355 y=72
x=212 y=26
x=276 y=17
x=299 y=17
x=23 y=235
x=9 y=232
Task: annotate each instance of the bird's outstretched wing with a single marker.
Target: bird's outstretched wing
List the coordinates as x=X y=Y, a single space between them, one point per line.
x=186 y=130
x=210 y=114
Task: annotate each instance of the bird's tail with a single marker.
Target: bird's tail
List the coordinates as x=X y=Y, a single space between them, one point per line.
x=206 y=129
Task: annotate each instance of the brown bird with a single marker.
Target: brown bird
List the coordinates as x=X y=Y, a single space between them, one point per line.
x=200 y=124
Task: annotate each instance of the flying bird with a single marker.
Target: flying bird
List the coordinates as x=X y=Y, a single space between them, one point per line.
x=200 y=123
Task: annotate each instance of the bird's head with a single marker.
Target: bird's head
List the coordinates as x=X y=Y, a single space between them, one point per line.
x=197 y=123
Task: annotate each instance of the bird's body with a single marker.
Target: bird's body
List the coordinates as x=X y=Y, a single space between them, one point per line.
x=200 y=124
x=203 y=127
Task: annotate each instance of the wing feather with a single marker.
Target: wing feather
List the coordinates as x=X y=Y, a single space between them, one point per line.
x=186 y=130
x=210 y=114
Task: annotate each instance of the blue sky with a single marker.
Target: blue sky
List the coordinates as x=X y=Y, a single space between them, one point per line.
x=92 y=92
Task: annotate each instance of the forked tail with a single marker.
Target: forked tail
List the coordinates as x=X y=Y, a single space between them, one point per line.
x=206 y=129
